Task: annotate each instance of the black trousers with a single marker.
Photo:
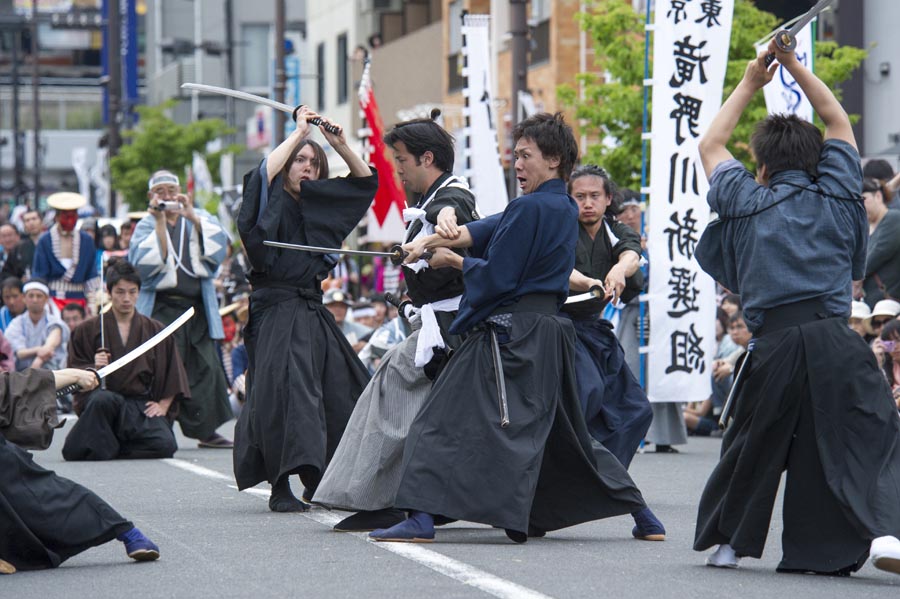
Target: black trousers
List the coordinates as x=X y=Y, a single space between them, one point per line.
x=814 y=404
x=115 y=427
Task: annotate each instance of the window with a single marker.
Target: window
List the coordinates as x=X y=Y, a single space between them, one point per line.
x=255 y=52
x=342 y=69
x=320 y=77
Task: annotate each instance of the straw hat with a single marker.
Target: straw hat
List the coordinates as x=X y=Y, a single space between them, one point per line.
x=66 y=200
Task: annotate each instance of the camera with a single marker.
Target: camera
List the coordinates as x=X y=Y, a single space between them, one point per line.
x=168 y=206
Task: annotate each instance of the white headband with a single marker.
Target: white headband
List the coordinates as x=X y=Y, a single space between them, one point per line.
x=36 y=285
x=163 y=178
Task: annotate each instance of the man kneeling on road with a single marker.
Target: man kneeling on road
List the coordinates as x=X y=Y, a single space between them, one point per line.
x=132 y=417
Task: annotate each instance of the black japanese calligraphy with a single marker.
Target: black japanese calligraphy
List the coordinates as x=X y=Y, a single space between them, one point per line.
x=687 y=60
x=687 y=355
x=676 y=10
x=687 y=108
x=683 y=235
x=682 y=176
x=684 y=293
x=711 y=10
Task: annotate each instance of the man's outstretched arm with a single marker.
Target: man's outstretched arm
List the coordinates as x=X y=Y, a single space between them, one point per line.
x=837 y=123
x=712 y=144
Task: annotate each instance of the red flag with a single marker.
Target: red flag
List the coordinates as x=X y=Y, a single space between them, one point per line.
x=389 y=190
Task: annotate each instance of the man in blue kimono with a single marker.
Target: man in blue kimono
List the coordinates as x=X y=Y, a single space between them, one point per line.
x=502 y=434
x=791 y=241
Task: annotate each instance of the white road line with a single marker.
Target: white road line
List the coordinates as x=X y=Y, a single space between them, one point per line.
x=440 y=563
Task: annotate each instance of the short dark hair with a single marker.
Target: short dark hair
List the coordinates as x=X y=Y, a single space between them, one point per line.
x=609 y=186
x=121 y=270
x=784 y=142
x=878 y=168
x=739 y=315
x=320 y=157
x=74 y=307
x=11 y=283
x=733 y=298
x=554 y=138
x=424 y=135
x=891 y=330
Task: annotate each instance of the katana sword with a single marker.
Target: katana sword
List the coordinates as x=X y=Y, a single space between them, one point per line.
x=234 y=93
x=133 y=354
x=406 y=308
x=396 y=254
x=786 y=39
x=732 y=393
x=499 y=377
x=595 y=292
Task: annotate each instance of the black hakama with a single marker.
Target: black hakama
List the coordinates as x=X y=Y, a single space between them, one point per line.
x=543 y=470
x=813 y=403
x=304 y=377
x=615 y=407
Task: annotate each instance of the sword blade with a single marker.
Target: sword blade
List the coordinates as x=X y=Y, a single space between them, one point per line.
x=732 y=393
x=809 y=16
x=596 y=292
x=135 y=353
x=234 y=93
x=321 y=250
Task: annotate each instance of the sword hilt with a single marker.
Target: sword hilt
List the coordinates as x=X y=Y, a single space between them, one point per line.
x=401 y=306
x=75 y=387
x=399 y=255
x=334 y=129
x=785 y=41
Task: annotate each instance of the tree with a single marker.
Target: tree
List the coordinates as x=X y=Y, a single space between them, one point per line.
x=157 y=143
x=613 y=105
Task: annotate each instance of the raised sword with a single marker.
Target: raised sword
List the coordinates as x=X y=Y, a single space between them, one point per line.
x=234 y=93
x=786 y=39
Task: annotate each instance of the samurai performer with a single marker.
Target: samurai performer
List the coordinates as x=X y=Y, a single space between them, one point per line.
x=132 y=417
x=608 y=254
x=810 y=399
x=177 y=249
x=44 y=518
x=304 y=377
x=65 y=257
x=365 y=472
x=501 y=439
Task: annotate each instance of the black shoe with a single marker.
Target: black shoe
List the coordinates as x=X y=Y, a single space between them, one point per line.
x=666 y=449
x=283 y=500
x=443 y=520
x=369 y=521
x=535 y=532
x=515 y=536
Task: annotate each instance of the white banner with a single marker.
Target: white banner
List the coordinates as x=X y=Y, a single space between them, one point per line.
x=485 y=172
x=783 y=94
x=690 y=50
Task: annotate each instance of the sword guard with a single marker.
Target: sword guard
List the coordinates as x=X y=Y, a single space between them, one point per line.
x=785 y=42
x=334 y=129
x=399 y=255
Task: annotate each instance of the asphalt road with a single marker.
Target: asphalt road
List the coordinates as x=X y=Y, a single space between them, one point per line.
x=218 y=543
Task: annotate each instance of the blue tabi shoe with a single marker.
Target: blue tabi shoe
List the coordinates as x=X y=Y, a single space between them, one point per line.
x=647 y=526
x=138 y=547
x=418 y=528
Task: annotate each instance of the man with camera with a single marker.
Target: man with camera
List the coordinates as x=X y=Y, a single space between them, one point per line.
x=177 y=249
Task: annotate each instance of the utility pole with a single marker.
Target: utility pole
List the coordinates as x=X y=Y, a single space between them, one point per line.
x=198 y=58
x=114 y=83
x=518 y=29
x=229 y=64
x=36 y=100
x=18 y=137
x=278 y=134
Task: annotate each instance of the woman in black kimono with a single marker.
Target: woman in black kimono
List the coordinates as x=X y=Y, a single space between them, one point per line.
x=304 y=377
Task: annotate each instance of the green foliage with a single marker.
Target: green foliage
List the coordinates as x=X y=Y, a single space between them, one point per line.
x=613 y=107
x=157 y=143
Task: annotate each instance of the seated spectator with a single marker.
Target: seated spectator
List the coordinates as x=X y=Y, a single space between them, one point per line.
x=38 y=338
x=703 y=421
x=890 y=342
x=859 y=312
x=883 y=311
x=364 y=314
x=13 y=301
x=731 y=303
x=381 y=310
x=337 y=303
x=34 y=227
x=133 y=416
x=10 y=266
x=73 y=315
x=381 y=341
